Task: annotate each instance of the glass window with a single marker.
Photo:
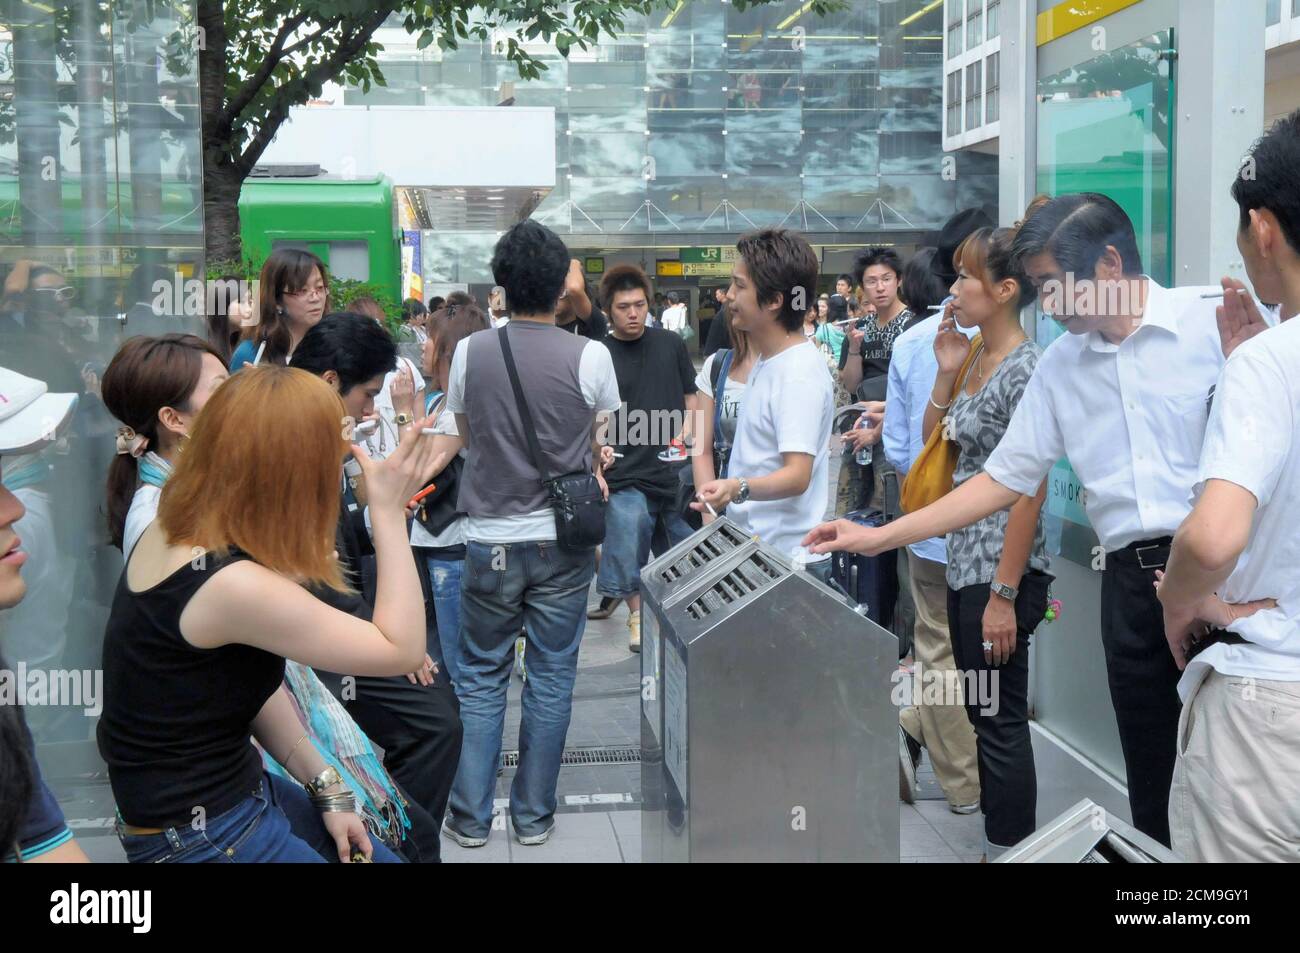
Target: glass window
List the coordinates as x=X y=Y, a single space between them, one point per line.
x=1295 y=8
x=973 y=72
x=954 y=102
x=991 y=84
x=955 y=8
x=350 y=260
x=991 y=19
x=975 y=26
x=1273 y=13
x=100 y=201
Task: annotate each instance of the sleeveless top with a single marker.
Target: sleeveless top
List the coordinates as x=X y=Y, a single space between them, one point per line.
x=175 y=731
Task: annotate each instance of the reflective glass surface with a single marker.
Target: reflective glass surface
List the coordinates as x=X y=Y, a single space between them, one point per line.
x=771 y=109
x=101 y=222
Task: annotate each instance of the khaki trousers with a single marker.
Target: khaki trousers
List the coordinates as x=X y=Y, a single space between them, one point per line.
x=943 y=729
x=1236 y=788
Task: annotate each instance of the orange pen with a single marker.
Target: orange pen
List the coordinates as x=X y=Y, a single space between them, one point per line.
x=422 y=494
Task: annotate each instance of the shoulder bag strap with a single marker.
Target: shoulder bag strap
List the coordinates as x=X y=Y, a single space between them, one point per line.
x=720 y=388
x=530 y=433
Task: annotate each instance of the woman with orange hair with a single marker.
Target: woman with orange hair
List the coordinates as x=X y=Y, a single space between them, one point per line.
x=211 y=603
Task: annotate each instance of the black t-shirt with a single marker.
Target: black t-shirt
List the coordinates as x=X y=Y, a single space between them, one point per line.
x=654 y=376
x=595 y=327
x=877 y=350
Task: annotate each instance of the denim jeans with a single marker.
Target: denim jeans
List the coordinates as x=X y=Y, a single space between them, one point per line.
x=275 y=824
x=508 y=586
x=445 y=579
x=635 y=525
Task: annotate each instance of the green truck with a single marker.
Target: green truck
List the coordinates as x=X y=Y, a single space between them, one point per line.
x=350 y=223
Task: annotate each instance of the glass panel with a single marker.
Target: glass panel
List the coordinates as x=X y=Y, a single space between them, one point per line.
x=1105 y=125
x=1273 y=13
x=975 y=27
x=350 y=260
x=954 y=103
x=991 y=88
x=991 y=27
x=101 y=223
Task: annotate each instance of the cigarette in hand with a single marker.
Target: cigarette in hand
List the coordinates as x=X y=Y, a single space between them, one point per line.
x=422 y=494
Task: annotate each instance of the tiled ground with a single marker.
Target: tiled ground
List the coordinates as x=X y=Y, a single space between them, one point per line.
x=590 y=828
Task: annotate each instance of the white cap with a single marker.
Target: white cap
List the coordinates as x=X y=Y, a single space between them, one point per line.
x=29 y=414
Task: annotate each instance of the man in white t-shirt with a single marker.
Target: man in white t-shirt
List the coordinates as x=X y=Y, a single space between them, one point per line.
x=674 y=318
x=778 y=475
x=1231 y=596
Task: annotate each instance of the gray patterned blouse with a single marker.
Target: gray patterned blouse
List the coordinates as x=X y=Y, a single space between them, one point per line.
x=978 y=423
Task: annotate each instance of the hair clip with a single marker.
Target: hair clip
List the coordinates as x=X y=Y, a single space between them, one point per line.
x=128 y=441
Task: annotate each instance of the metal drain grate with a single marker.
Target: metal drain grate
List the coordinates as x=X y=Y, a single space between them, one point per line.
x=576 y=756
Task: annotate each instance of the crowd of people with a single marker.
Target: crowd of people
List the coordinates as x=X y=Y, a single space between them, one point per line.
x=341 y=541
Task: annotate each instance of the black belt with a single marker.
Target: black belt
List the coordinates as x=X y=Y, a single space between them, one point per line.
x=1143 y=553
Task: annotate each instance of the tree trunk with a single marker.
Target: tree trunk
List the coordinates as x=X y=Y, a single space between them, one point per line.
x=221 y=186
x=221 y=178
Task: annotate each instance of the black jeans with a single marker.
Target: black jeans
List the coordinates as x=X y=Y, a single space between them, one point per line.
x=1143 y=683
x=997 y=703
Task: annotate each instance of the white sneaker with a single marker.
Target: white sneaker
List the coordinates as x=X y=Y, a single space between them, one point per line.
x=634 y=631
x=535 y=840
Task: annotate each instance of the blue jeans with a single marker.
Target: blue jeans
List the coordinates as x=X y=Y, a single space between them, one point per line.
x=276 y=824
x=508 y=586
x=445 y=579
x=635 y=524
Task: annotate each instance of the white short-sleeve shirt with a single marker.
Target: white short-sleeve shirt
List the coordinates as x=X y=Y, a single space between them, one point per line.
x=1253 y=441
x=788 y=408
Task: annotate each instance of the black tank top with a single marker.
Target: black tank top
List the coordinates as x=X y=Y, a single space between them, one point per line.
x=175 y=731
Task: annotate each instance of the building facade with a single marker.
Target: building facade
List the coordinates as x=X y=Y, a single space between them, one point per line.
x=702 y=121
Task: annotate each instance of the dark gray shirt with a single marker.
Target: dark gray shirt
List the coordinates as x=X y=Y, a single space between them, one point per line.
x=977 y=422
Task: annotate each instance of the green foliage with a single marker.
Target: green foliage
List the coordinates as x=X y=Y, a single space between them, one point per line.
x=343 y=291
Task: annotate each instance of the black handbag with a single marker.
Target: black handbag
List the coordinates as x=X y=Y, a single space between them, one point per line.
x=576 y=498
x=437 y=510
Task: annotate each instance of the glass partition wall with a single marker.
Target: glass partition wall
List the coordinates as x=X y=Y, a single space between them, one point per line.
x=100 y=197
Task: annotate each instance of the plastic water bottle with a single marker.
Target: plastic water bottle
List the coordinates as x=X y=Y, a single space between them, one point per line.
x=863 y=456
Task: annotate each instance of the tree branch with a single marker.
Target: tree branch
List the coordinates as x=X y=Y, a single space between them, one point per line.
x=287 y=94
x=311 y=38
x=254 y=83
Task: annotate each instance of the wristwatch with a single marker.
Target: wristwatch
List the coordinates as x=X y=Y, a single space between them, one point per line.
x=323 y=780
x=1006 y=592
x=742 y=495
x=404 y=420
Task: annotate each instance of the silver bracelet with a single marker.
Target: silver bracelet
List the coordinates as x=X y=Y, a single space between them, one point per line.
x=940 y=406
x=335 y=803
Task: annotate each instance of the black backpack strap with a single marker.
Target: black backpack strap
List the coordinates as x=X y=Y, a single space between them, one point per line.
x=530 y=432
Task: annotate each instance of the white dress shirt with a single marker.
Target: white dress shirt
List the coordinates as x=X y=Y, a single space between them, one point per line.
x=1253 y=440
x=912 y=370
x=1130 y=417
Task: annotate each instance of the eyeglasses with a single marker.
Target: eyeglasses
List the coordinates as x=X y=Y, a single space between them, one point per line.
x=318 y=292
x=65 y=294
